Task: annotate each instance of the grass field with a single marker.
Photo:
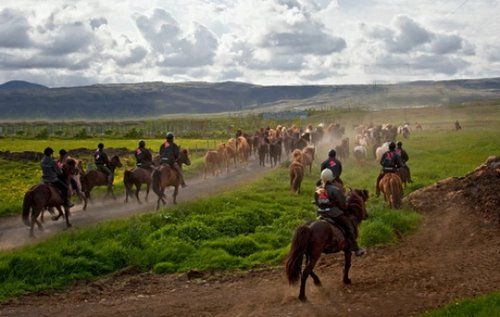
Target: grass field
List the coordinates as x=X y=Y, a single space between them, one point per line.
x=20 y=144
x=250 y=226
x=482 y=306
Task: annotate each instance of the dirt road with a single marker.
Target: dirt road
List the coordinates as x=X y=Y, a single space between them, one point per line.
x=13 y=233
x=455 y=254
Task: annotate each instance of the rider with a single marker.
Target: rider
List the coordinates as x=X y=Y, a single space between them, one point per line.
x=331 y=203
x=50 y=175
x=102 y=161
x=169 y=154
x=404 y=158
x=390 y=162
x=143 y=156
x=333 y=164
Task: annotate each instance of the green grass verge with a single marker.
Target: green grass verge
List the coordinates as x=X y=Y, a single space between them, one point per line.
x=482 y=306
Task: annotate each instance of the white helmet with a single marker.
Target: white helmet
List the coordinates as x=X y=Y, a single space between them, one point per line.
x=327 y=175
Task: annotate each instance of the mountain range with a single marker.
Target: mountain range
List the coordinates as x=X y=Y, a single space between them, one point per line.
x=23 y=100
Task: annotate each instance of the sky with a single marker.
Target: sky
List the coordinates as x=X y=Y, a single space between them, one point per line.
x=269 y=42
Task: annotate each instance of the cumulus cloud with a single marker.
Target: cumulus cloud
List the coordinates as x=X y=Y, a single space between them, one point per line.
x=172 y=46
x=69 y=38
x=14 y=29
x=97 y=22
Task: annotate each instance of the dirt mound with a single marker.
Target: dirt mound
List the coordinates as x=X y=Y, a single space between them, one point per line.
x=21 y=156
x=78 y=152
x=478 y=191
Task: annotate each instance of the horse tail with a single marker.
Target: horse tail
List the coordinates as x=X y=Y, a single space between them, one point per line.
x=155 y=182
x=27 y=204
x=127 y=181
x=298 y=249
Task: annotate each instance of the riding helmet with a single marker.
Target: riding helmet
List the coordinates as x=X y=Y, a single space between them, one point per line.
x=392 y=146
x=100 y=146
x=170 y=136
x=48 y=151
x=400 y=144
x=327 y=175
x=332 y=153
x=62 y=152
x=142 y=143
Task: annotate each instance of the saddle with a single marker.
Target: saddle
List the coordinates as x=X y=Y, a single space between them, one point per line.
x=55 y=195
x=333 y=223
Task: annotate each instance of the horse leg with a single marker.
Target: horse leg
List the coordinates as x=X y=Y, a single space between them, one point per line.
x=316 y=279
x=176 y=191
x=147 y=191
x=67 y=212
x=110 y=189
x=347 y=266
x=312 y=259
x=55 y=218
x=137 y=190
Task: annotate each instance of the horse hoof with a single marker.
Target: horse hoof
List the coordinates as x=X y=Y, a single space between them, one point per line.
x=318 y=283
x=347 y=281
x=54 y=218
x=303 y=298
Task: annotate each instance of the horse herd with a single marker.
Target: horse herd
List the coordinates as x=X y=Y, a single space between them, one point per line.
x=269 y=145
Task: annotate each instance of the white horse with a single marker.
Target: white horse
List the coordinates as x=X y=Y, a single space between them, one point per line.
x=360 y=153
x=381 y=150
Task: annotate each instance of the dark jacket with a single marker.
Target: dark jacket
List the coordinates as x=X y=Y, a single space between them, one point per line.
x=50 y=171
x=390 y=161
x=143 y=157
x=330 y=200
x=402 y=153
x=334 y=165
x=101 y=158
x=169 y=152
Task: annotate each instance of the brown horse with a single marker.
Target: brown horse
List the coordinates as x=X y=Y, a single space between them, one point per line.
x=95 y=178
x=44 y=196
x=296 y=176
x=136 y=177
x=392 y=187
x=404 y=174
x=165 y=176
x=320 y=236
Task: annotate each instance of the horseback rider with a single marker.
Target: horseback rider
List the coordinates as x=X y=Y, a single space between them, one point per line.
x=390 y=162
x=102 y=162
x=404 y=158
x=331 y=203
x=63 y=155
x=143 y=156
x=169 y=154
x=333 y=164
x=51 y=172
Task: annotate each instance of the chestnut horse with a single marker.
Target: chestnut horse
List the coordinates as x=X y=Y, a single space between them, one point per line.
x=392 y=187
x=43 y=196
x=95 y=178
x=320 y=236
x=165 y=176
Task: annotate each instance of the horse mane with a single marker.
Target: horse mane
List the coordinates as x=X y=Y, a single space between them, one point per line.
x=356 y=203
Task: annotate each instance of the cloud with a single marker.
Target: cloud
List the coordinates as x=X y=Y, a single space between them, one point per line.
x=38 y=61
x=69 y=38
x=97 y=22
x=14 y=29
x=421 y=65
x=174 y=47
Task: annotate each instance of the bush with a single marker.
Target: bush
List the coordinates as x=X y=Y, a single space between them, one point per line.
x=133 y=134
x=164 y=267
x=82 y=134
x=42 y=134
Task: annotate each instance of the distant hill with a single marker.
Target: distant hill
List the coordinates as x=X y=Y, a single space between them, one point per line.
x=153 y=99
x=20 y=84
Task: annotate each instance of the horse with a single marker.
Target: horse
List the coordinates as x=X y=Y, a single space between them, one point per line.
x=136 y=177
x=320 y=236
x=359 y=153
x=95 y=178
x=165 y=176
x=392 y=187
x=296 y=176
x=44 y=196
x=404 y=174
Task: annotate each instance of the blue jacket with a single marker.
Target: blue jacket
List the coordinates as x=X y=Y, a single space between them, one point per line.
x=50 y=171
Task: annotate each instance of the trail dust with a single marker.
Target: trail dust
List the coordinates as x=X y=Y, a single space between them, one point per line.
x=13 y=233
x=455 y=254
